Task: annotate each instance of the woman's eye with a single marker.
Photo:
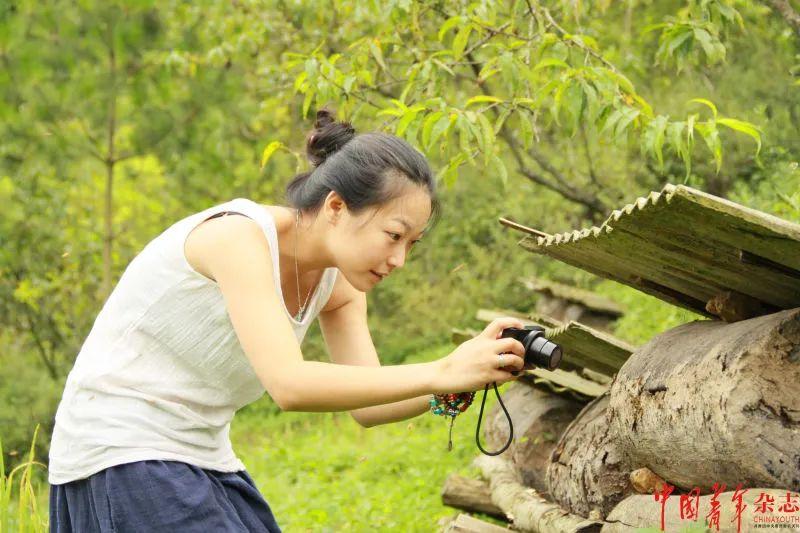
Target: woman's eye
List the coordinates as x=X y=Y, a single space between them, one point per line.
x=394 y=236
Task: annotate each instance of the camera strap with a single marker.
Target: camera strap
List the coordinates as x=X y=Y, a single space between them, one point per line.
x=480 y=416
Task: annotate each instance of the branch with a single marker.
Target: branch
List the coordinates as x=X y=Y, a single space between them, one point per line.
x=785 y=9
x=592 y=204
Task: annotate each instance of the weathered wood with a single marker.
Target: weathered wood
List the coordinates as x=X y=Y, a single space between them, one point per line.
x=731 y=306
x=529 y=319
x=559 y=381
x=470 y=495
x=527 y=510
x=469 y=524
x=702 y=403
x=566 y=303
x=539 y=418
x=641 y=511
x=587 y=299
x=583 y=346
x=685 y=246
x=712 y=402
x=570 y=380
x=587 y=472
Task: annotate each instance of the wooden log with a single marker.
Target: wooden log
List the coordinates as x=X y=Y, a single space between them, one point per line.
x=469 y=524
x=469 y=495
x=539 y=418
x=712 y=402
x=641 y=511
x=705 y=402
x=587 y=472
x=527 y=509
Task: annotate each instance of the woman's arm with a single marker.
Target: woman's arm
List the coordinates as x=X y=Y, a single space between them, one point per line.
x=349 y=342
x=233 y=251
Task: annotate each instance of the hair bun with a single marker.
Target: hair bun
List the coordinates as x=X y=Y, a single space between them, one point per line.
x=327 y=137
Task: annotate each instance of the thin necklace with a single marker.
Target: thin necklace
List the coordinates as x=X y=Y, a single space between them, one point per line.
x=299 y=316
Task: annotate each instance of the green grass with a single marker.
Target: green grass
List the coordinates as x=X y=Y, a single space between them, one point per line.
x=22 y=493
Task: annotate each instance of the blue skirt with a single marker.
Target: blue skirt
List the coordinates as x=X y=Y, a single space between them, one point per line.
x=160 y=496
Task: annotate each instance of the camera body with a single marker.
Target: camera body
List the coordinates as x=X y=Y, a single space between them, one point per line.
x=539 y=352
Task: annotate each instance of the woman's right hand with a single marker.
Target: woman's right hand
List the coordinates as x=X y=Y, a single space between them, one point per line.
x=474 y=364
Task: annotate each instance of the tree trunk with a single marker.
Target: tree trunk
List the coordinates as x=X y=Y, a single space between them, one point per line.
x=706 y=402
x=587 y=473
x=712 y=402
x=539 y=420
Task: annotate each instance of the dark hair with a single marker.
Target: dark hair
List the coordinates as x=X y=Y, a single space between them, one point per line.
x=366 y=169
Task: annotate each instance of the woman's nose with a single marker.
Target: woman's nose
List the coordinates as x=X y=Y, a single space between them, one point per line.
x=397 y=260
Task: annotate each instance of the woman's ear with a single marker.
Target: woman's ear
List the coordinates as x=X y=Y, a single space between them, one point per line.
x=333 y=207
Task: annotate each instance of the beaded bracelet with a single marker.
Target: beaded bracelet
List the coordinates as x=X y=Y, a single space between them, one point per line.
x=451 y=405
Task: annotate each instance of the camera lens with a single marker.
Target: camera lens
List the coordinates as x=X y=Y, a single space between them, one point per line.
x=539 y=352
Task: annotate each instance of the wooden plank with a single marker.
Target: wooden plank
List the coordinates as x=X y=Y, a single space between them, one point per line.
x=588 y=299
x=570 y=380
x=583 y=347
x=685 y=246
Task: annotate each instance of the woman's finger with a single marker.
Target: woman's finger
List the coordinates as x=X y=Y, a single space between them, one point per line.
x=496 y=326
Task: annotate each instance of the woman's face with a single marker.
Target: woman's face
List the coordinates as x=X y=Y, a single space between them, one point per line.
x=370 y=245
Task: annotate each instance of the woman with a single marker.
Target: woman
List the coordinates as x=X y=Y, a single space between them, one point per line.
x=211 y=314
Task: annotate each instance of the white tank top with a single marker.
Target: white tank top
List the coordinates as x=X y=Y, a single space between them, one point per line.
x=162 y=372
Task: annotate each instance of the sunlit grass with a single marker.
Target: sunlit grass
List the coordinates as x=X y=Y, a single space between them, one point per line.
x=20 y=495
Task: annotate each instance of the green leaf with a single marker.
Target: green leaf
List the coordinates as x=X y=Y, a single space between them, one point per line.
x=653 y=138
x=448 y=25
x=681 y=147
x=573 y=104
x=743 y=127
x=443 y=66
x=375 y=48
x=708 y=130
x=348 y=84
x=526 y=130
x=427 y=128
x=460 y=41
x=307 y=102
x=298 y=81
x=269 y=150
x=482 y=98
x=621 y=80
x=465 y=132
x=500 y=168
x=404 y=122
x=681 y=38
x=501 y=119
x=706 y=102
x=488 y=136
x=441 y=127
x=449 y=173
x=550 y=62
x=628 y=115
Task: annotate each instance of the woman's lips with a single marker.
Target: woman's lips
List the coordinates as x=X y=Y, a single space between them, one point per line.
x=376 y=275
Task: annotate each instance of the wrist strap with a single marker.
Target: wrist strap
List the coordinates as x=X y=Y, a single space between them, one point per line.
x=480 y=416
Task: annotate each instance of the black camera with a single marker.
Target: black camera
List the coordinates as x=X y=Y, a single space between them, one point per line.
x=539 y=352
